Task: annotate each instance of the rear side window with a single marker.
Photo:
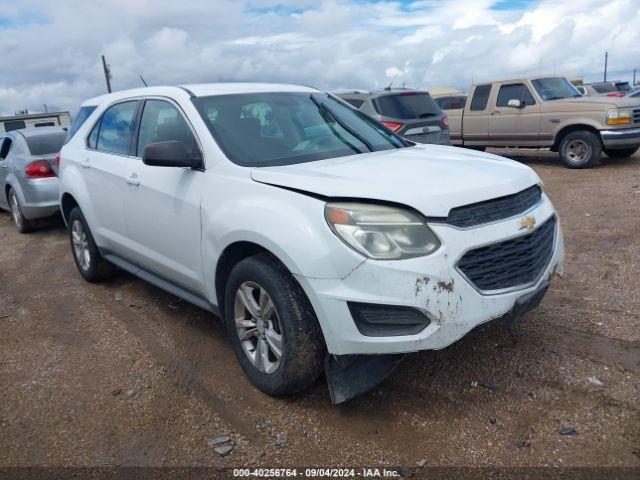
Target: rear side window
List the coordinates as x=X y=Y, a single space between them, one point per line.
x=46 y=144
x=5 y=147
x=10 y=125
x=480 y=97
x=79 y=120
x=623 y=87
x=162 y=122
x=114 y=133
x=516 y=91
x=406 y=105
x=45 y=124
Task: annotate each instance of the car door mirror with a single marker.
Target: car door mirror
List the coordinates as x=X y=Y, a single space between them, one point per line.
x=170 y=154
x=515 y=103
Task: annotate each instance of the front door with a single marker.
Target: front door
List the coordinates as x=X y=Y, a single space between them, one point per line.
x=515 y=126
x=475 y=123
x=163 y=203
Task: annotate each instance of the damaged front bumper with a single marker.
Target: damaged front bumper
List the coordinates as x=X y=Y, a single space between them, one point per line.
x=431 y=285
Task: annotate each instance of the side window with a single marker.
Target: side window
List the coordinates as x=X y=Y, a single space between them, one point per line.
x=5 y=148
x=480 y=97
x=162 y=122
x=517 y=91
x=79 y=119
x=10 y=125
x=458 y=102
x=444 y=102
x=114 y=134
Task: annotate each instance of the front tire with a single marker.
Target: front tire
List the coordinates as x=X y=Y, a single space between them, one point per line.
x=274 y=331
x=580 y=149
x=22 y=224
x=621 y=152
x=90 y=263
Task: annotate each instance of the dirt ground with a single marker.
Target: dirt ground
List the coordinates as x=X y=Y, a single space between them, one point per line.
x=122 y=373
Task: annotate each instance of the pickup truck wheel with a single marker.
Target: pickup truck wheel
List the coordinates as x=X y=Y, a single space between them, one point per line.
x=621 y=152
x=22 y=224
x=274 y=331
x=90 y=263
x=581 y=149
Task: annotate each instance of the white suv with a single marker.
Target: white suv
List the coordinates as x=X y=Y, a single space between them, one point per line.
x=315 y=232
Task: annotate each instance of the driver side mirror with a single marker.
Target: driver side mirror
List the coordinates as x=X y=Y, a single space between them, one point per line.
x=170 y=154
x=515 y=103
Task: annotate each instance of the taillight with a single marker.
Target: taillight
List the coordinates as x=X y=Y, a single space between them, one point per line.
x=57 y=160
x=39 y=169
x=615 y=94
x=444 y=122
x=394 y=126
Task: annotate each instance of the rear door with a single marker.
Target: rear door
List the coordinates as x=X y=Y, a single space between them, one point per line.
x=475 y=121
x=510 y=126
x=103 y=163
x=163 y=203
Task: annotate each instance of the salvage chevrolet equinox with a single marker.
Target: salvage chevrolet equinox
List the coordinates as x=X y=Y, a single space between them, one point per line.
x=323 y=240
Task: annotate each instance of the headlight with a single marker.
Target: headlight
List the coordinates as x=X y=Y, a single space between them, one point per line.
x=381 y=232
x=619 y=116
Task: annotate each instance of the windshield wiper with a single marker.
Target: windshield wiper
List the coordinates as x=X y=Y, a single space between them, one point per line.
x=325 y=108
x=425 y=115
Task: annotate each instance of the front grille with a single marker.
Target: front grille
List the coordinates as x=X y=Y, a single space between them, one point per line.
x=515 y=262
x=495 y=209
x=636 y=115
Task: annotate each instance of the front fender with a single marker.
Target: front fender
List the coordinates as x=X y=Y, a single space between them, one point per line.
x=288 y=224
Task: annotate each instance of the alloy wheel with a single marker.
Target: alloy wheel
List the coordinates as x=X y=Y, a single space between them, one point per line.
x=80 y=243
x=15 y=210
x=258 y=327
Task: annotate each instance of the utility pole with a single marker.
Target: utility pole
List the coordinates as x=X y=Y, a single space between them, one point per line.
x=634 y=76
x=606 y=60
x=107 y=73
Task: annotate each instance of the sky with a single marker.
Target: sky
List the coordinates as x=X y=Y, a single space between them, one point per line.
x=51 y=49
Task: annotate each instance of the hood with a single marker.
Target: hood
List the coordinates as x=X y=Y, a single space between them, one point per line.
x=594 y=102
x=433 y=179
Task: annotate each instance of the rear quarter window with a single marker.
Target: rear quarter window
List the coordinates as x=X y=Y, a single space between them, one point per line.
x=406 y=105
x=79 y=120
x=11 y=125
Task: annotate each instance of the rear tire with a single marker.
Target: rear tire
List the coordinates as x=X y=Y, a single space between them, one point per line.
x=282 y=349
x=621 y=152
x=23 y=225
x=580 y=149
x=90 y=263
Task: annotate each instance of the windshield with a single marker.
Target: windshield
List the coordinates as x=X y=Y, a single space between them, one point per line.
x=406 y=105
x=285 y=128
x=555 y=88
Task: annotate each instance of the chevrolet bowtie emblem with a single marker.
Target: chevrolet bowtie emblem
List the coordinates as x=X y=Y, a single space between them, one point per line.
x=527 y=223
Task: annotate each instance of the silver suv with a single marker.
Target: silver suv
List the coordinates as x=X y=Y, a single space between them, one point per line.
x=410 y=113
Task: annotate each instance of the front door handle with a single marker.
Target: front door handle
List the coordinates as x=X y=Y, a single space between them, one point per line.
x=496 y=112
x=85 y=163
x=133 y=180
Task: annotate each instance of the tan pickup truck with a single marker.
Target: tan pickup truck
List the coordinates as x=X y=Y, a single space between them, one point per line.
x=546 y=112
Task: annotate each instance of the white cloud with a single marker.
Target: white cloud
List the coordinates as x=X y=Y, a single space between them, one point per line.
x=51 y=50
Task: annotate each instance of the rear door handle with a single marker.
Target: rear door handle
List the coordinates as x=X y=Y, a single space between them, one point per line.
x=133 y=180
x=496 y=112
x=85 y=163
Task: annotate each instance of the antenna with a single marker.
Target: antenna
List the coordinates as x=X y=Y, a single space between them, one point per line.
x=145 y=83
x=389 y=86
x=107 y=73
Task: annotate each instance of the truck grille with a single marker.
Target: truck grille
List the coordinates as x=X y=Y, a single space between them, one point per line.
x=515 y=262
x=636 y=115
x=495 y=209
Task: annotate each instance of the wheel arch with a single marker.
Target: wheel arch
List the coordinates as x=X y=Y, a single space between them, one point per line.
x=229 y=258
x=67 y=204
x=577 y=127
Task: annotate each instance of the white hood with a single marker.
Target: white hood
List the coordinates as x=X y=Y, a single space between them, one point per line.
x=433 y=179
